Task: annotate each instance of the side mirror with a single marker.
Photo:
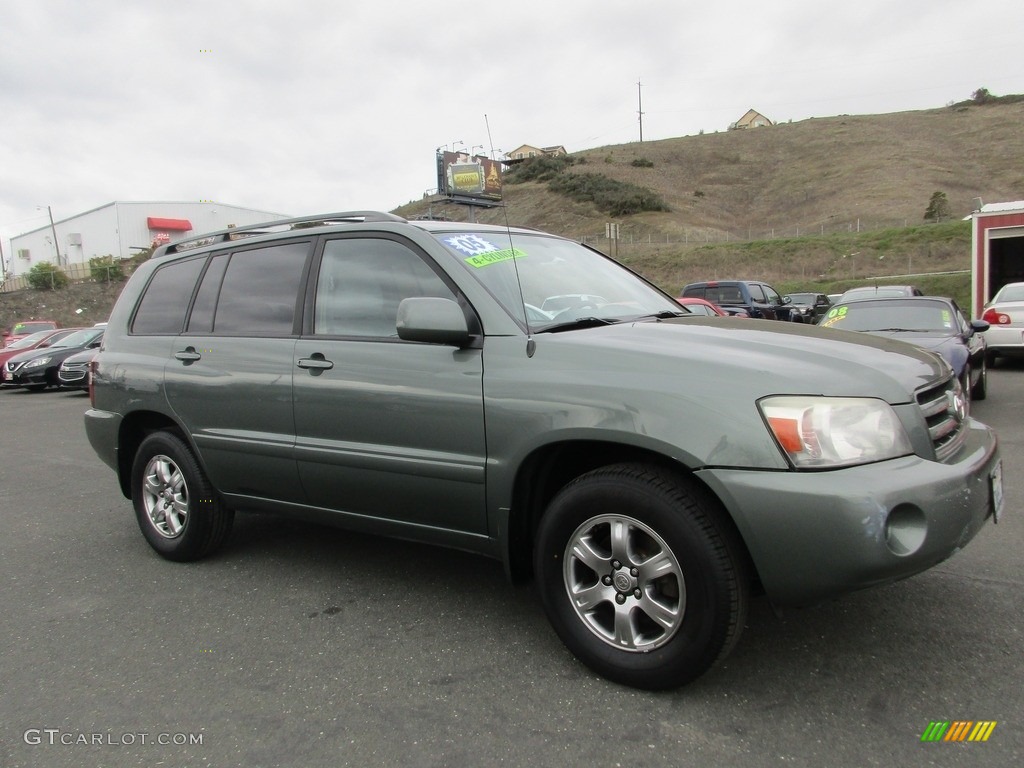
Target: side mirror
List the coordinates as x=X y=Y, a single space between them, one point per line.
x=432 y=320
x=787 y=300
x=979 y=325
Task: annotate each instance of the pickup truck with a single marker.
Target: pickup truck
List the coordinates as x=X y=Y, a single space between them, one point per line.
x=758 y=299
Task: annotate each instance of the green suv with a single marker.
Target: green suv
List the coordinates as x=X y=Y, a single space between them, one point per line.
x=519 y=395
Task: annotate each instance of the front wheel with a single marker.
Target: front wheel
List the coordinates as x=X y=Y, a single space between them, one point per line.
x=639 y=578
x=179 y=512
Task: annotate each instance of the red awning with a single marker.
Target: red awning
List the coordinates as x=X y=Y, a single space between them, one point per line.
x=178 y=225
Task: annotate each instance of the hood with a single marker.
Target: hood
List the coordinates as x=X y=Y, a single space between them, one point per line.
x=940 y=343
x=770 y=357
x=35 y=354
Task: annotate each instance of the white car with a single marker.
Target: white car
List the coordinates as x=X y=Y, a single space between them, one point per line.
x=1005 y=316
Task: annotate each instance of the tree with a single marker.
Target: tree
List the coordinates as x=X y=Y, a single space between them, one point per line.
x=46 y=277
x=938 y=207
x=981 y=96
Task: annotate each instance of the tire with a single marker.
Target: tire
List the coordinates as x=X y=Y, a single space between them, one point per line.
x=597 y=544
x=980 y=390
x=990 y=359
x=178 y=511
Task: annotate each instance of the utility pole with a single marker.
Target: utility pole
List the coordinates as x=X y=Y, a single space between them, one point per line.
x=53 y=229
x=640 y=109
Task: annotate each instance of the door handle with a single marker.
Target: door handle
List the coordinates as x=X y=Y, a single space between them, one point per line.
x=315 y=363
x=188 y=355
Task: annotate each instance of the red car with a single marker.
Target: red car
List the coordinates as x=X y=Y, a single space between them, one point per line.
x=23 y=328
x=705 y=307
x=36 y=340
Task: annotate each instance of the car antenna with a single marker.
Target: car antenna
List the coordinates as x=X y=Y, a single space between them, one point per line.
x=531 y=345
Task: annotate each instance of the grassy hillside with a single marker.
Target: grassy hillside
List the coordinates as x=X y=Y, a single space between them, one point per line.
x=818 y=176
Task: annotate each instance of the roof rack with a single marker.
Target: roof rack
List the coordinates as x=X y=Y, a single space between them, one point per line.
x=301 y=222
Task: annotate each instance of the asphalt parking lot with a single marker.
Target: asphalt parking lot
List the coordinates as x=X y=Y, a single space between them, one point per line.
x=299 y=645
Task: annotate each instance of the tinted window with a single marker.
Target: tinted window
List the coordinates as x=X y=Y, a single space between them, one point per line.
x=201 y=319
x=260 y=290
x=361 y=283
x=756 y=294
x=163 y=306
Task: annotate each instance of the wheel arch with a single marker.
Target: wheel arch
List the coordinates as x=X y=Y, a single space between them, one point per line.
x=135 y=427
x=550 y=468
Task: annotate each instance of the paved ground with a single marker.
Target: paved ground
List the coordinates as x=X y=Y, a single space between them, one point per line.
x=306 y=646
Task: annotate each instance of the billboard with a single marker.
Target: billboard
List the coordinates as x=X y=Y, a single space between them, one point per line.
x=474 y=180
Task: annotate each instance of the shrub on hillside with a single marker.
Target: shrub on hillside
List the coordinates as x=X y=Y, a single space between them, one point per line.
x=616 y=198
x=642 y=162
x=105 y=269
x=542 y=168
x=46 y=277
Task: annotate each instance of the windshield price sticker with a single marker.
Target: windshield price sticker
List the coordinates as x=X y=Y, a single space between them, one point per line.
x=481 y=252
x=495 y=257
x=996 y=480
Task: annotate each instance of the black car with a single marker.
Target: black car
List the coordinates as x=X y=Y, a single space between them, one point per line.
x=931 y=322
x=809 y=307
x=755 y=298
x=38 y=368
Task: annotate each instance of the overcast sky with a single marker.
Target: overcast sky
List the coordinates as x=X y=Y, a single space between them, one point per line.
x=326 y=105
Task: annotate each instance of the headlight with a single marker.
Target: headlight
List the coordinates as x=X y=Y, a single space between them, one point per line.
x=826 y=432
x=38 y=362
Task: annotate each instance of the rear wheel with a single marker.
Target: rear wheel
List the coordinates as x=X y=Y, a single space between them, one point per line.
x=179 y=512
x=638 y=577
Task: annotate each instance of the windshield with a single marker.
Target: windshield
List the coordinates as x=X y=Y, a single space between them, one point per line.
x=28 y=341
x=79 y=338
x=22 y=328
x=893 y=315
x=803 y=298
x=562 y=281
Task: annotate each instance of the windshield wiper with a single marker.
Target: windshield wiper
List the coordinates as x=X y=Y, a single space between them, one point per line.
x=665 y=314
x=579 y=322
x=898 y=330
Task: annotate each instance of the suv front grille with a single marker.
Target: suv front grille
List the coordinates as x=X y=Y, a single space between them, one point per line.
x=945 y=411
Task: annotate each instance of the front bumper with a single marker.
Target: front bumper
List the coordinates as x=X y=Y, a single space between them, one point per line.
x=817 y=535
x=22 y=377
x=76 y=376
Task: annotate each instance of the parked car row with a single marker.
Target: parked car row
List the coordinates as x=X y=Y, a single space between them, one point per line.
x=42 y=364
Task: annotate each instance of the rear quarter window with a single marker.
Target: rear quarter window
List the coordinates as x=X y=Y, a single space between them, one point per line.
x=164 y=303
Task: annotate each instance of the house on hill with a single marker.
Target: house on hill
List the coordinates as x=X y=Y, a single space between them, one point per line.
x=527 y=151
x=752 y=119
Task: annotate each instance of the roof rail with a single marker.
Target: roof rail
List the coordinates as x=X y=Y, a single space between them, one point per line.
x=301 y=222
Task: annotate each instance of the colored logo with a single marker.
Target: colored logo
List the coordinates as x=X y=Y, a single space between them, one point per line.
x=958 y=730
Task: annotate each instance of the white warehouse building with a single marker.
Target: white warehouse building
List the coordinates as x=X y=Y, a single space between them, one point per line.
x=122 y=229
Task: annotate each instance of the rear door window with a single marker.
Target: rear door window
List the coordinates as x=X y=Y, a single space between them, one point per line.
x=259 y=293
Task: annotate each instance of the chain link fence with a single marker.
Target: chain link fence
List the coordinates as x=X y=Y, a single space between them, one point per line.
x=114 y=272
